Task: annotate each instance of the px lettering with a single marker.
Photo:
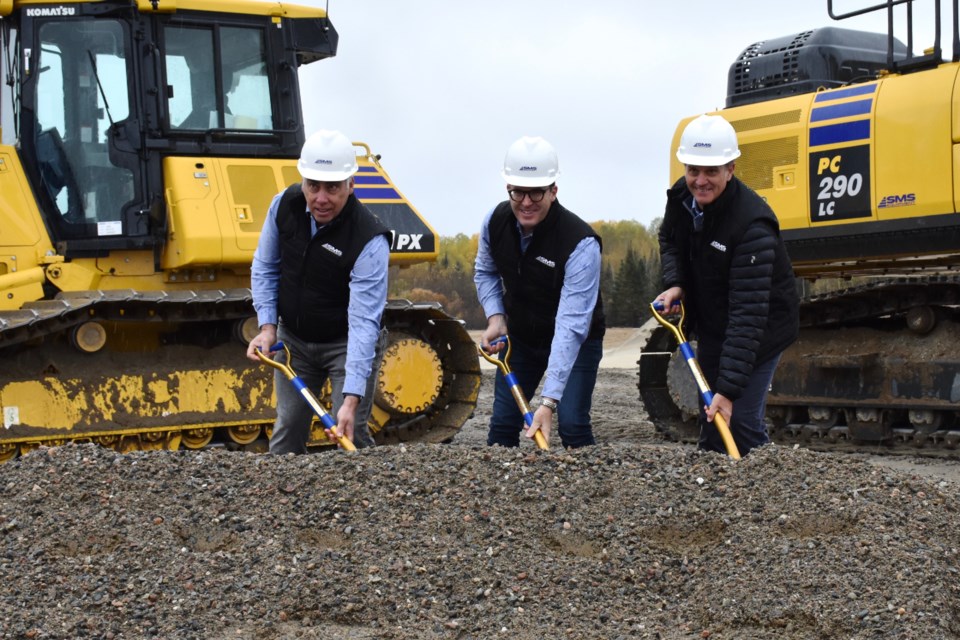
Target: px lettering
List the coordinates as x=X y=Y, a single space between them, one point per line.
x=405 y=241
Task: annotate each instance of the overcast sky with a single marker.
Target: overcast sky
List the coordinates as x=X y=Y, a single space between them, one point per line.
x=440 y=88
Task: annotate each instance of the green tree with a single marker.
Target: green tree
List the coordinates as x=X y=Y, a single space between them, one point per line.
x=629 y=291
x=607 y=282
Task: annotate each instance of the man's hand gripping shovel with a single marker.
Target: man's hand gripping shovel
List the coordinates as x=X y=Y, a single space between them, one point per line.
x=329 y=426
x=504 y=366
x=705 y=393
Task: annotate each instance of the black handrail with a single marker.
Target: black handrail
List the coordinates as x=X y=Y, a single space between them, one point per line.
x=889 y=5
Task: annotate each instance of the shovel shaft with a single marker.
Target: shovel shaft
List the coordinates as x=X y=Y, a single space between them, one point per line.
x=525 y=409
x=504 y=365
x=326 y=420
x=705 y=393
x=329 y=425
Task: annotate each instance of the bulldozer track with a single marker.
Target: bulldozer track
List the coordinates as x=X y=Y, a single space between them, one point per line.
x=44 y=318
x=196 y=330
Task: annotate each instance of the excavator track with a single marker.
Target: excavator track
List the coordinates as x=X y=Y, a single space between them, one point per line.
x=141 y=370
x=875 y=369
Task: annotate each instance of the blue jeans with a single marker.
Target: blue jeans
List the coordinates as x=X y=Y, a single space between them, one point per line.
x=747 y=425
x=314 y=362
x=573 y=414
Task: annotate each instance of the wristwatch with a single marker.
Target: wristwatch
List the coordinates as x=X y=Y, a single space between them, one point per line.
x=549 y=403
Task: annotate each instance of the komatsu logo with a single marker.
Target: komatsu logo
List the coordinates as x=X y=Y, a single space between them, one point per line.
x=56 y=12
x=549 y=263
x=897 y=201
x=332 y=249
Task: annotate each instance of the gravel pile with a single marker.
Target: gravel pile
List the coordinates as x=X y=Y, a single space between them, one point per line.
x=623 y=540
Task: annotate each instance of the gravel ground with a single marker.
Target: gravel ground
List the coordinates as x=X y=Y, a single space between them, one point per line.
x=633 y=538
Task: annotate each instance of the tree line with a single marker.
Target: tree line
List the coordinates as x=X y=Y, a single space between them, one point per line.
x=629 y=279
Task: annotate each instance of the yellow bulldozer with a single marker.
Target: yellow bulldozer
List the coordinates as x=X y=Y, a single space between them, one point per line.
x=141 y=144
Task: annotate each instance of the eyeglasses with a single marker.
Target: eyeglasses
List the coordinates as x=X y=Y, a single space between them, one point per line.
x=535 y=195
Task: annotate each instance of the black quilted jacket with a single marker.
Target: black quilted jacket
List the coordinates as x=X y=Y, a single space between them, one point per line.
x=738 y=283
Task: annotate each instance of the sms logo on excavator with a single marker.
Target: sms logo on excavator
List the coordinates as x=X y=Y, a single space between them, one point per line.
x=897 y=201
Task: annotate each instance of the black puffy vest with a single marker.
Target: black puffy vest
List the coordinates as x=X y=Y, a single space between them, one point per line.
x=532 y=281
x=315 y=271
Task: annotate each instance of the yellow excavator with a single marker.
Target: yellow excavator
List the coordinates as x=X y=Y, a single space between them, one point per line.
x=854 y=141
x=141 y=142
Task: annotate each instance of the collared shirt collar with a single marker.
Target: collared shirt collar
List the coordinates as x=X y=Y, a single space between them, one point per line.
x=697 y=214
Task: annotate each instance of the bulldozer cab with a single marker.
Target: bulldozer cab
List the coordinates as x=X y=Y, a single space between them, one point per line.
x=103 y=91
x=78 y=87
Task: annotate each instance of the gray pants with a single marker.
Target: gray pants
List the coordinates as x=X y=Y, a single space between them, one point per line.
x=314 y=362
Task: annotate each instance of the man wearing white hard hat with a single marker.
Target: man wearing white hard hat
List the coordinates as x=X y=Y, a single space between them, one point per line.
x=319 y=280
x=538 y=279
x=722 y=254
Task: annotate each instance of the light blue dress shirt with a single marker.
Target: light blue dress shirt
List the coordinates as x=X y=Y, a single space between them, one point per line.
x=578 y=297
x=368 y=295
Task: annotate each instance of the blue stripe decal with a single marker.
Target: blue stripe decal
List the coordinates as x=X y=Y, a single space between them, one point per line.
x=842 y=110
x=859 y=90
x=837 y=133
x=327 y=420
x=365 y=169
x=376 y=194
x=370 y=180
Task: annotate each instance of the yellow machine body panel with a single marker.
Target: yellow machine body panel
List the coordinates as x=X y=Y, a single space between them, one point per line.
x=25 y=244
x=52 y=406
x=913 y=167
x=773 y=156
x=853 y=159
x=217 y=207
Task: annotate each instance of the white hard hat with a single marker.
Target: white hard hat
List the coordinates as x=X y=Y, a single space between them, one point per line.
x=708 y=141
x=327 y=156
x=531 y=162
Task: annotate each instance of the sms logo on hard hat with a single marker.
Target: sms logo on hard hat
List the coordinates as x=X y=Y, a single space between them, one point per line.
x=527 y=168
